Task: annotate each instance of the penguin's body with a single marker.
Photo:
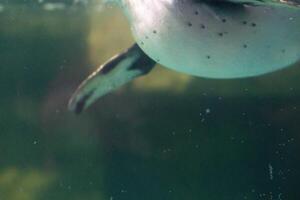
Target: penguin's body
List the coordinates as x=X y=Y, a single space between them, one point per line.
x=222 y=40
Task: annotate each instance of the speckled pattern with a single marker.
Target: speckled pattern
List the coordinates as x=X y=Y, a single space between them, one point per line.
x=216 y=40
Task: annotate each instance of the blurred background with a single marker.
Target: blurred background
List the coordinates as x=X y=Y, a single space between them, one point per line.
x=165 y=136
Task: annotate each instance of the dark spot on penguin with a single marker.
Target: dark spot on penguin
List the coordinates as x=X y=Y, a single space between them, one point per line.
x=82 y=102
x=142 y=43
x=224 y=20
x=190 y=24
x=146 y=37
x=154 y=31
x=283 y=51
x=245 y=46
x=203 y=26
x=220 y=34
x=244 y=22
x=144 y=64
x=107 y=68
x=253 y=24
x=157 y=60
x=196 y=13
x=208 y=57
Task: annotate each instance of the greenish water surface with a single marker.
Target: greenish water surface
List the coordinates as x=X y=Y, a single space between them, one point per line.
x=166 y=136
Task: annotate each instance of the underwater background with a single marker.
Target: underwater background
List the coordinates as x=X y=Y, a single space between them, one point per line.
x=165 y=136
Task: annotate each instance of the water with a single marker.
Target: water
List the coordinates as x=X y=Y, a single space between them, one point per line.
x=166 y=136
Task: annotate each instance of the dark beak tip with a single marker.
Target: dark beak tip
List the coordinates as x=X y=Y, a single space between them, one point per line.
x=75 y=107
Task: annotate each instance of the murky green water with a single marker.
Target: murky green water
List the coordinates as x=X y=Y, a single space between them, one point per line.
x=166 y=136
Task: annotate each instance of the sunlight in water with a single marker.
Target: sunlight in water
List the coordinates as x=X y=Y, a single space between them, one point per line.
x=1 y=8
x=24 y=184
x=54 y=6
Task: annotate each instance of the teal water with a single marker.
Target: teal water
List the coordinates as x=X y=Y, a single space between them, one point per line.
x=163 y=137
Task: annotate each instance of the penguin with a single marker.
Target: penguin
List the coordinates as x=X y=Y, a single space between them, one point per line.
x=220 y=39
